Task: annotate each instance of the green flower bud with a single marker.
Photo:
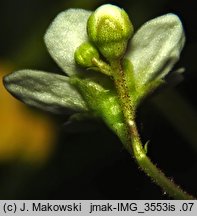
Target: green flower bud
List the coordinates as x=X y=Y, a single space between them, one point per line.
x=109 y=28
x=85 y=53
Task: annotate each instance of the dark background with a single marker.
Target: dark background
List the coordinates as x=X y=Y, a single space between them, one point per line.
x=92 y=163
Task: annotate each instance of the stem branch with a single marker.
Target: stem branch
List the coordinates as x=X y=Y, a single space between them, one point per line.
x=133 y=138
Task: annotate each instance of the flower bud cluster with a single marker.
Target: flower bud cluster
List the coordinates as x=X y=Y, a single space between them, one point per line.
x=109 y=30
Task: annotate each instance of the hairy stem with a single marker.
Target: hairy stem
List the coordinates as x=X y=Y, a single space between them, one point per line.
x=133 y=138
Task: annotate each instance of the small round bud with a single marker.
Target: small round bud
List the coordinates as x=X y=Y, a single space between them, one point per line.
x=85 y=53
x=109 y=28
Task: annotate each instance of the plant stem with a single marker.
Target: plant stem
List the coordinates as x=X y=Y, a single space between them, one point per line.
x=135 y=146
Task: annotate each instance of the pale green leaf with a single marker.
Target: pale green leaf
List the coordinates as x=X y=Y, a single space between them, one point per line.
x=156 y=47
x=64 y=35
x=51 y=92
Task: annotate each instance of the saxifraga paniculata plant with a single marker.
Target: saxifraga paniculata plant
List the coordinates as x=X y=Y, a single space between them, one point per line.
x=109 y=71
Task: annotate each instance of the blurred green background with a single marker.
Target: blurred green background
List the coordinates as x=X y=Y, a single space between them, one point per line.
x=42 y=158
